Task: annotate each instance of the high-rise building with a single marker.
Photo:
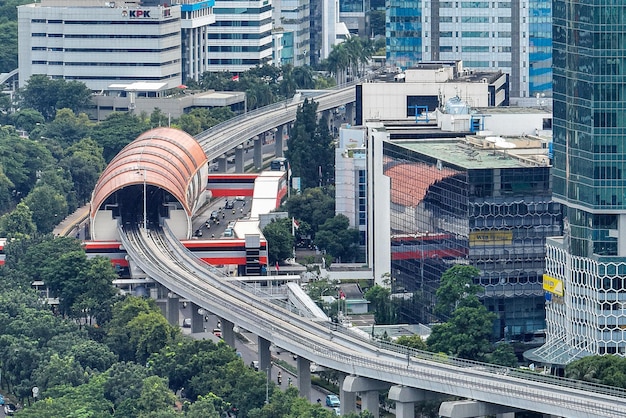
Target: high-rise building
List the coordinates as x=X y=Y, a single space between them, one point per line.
x=241 y=37
x=586 y=267
x=511 y=36
x=291 y=17
x=100 y=43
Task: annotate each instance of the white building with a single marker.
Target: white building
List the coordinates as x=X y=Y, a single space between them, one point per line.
x=291 y=17
x=241 y=37
x=100 y=43
x=196 y=16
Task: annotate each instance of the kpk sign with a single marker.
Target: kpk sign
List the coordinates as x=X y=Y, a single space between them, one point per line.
x=138 y=14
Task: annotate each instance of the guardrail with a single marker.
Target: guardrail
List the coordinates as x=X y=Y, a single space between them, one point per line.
x=166 y=263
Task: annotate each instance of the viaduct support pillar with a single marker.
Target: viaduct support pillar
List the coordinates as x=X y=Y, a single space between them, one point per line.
x=304 y=377
x=228 y=335
x=265 y=357
x=278 y=137
x=197 y=318
x=405 y=398
x=369 y=391
x=221 y=164
x=348 y=399
x=239 y=159
x=258 y=153
x=472 y=409
x=349 y=111
x=172 y=308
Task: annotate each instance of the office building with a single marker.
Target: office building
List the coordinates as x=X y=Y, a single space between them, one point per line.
x=241 y=37
x=586 y=266
x=292 y=19
x=477 y=200
x=102 y=43
x=512 y=36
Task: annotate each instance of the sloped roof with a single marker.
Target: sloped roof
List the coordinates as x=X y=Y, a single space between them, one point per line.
x=410 y=181
x=167 y=157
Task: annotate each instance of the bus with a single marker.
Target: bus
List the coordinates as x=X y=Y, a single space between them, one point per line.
x=279 y=164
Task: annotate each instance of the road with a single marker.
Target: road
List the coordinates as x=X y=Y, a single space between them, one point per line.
x=246 y=345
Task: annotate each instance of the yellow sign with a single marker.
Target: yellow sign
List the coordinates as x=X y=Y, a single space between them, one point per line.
x=552 y=285
x=491 y=238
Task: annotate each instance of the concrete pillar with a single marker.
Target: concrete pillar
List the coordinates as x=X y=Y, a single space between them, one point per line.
x=304 y=377
x=348 y=399
x=328 y=115
x=197 y=318
x=172 y=308
x=239 y=159
x=228 y=335
x=349 y=111
x=370 y=402
x=221 y=164
x=258 y=153
x=405 y=398
x=471 y=409
x=506 y=415
x=265 y=359
x=368 y=388
x=278 y=137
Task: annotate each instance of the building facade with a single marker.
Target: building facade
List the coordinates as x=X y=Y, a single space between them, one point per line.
x=103 y=43
x=100 y=43
x=241 y=37
x=512 y=36
x=586 y=266
x=472 y=201
x=292 y=18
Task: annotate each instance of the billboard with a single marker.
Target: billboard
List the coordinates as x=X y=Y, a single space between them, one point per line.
x=490 y=238
x=552 y=285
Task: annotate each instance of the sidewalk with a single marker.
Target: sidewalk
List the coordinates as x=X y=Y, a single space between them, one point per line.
x=74 y=223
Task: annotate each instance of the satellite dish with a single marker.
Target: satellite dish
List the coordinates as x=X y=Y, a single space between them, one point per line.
x=504 y=144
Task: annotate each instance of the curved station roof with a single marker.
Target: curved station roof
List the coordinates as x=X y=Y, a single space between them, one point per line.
x=162 y=158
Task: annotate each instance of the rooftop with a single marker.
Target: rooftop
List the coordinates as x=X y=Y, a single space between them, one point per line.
x=477 y=152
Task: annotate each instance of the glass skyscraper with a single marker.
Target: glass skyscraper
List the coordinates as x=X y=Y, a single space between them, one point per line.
x=586 y=267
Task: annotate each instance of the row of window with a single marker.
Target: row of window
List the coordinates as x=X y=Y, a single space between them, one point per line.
x=474 y=5
x=106 y=50
x=107 y=22
x=107 y=64
x=108 y=36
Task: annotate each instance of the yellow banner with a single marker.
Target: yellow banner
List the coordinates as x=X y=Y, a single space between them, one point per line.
x=552 y=285
x=491 y=238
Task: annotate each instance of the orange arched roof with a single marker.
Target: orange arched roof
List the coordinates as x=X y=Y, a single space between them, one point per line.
x=410 y=181
x=168 y=158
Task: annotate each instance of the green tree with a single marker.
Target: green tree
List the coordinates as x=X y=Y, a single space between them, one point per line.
x=605 y=370
x=18 y=222
x=93 y=356
x=48 y=206
x=456 y=283
x=503 y=355
x=311 y=208
x=27 y=119
x=85 y=162
x=337 y=238
x=155 y=396
x=467 y=334
x=412 y=341
x=98 y=292
x=377 y=22
x=380 y=303
x=311 y=150
x=124 y=381
x=67 y=128
x=203 y=407
x=57 y=371
x=279 y=239
x=48 y=95
x=116 y=131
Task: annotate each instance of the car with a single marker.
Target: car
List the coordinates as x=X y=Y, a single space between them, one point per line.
x=213 y=215
x=1 y=400
x=337 y=411
x=10 y=409
x=333 y=401
x=240 y=198
x=217 y=332
x=255 y=365
x=187 y=323
x=229 y=204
